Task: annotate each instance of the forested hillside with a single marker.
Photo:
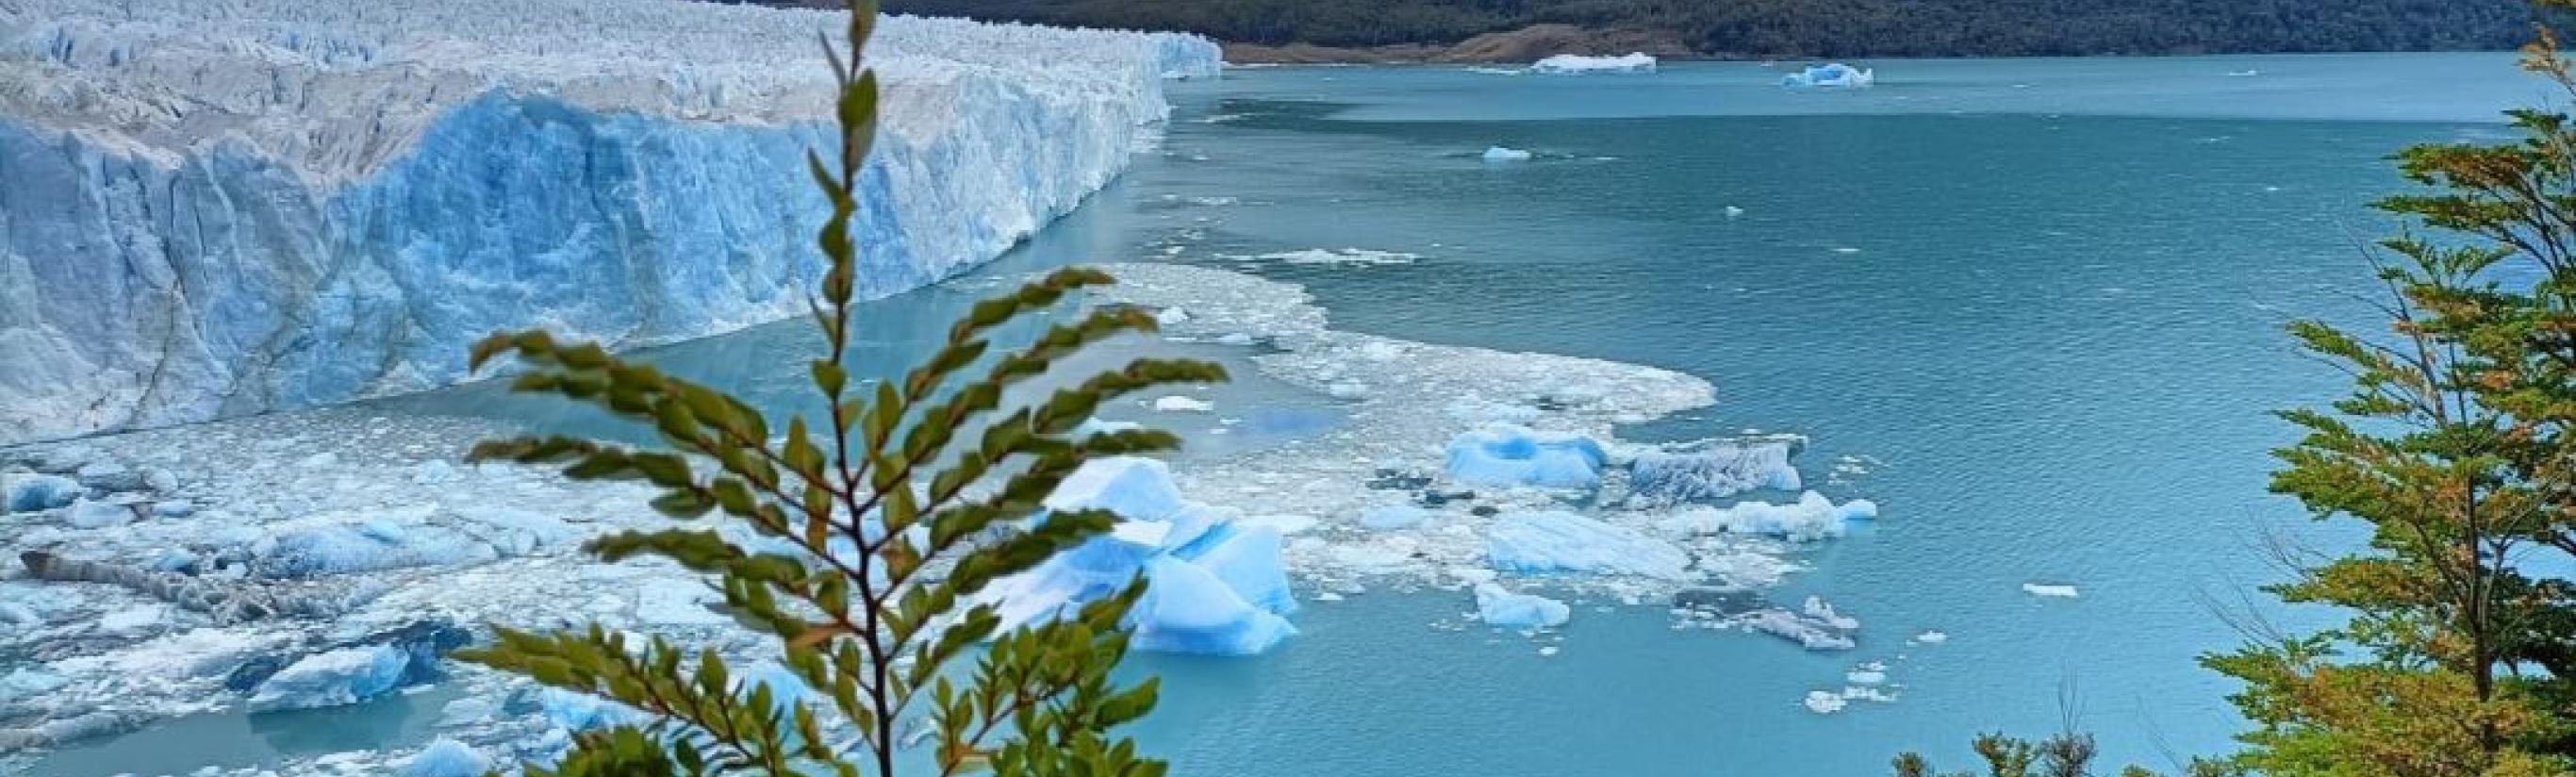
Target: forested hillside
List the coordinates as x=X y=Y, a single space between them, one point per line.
x=1758 y=28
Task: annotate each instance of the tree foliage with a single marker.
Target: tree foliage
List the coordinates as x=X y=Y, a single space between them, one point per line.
x=1847 y=28
x=2453 y=449
x=898 y=516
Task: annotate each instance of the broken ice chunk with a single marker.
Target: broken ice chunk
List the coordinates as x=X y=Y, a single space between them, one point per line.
x=1504 y=455
x=1502 y=608
x=1554 y=541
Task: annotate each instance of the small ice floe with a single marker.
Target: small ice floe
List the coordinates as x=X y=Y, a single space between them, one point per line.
x=1868 y=673
x=1495 y=71
x=1830 y=76
x=2246 y=73
x=1573 y=64
x=1846 y=250
x=1362 y=257
x=1177 y=403
x=1502 y=608
x=1501 y=154
x=2056 y=590
x=1171 y=316
x=1830 y=702
x=1825 y=702
x=1733 y=212
x=1930 y=638
x=1811 y=518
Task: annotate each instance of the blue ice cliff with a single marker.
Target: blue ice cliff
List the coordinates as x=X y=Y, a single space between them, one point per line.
x=213 y=209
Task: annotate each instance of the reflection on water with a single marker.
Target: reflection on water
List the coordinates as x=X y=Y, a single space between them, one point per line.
x=234 y=739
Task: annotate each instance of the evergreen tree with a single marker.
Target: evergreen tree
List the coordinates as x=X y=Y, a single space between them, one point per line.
x=2459 y=659
x=2454 y=450
x=877 y=600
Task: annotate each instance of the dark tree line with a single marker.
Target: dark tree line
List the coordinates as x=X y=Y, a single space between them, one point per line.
x=1822 y=27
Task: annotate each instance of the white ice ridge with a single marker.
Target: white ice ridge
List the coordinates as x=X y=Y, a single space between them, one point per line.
x=216 y=207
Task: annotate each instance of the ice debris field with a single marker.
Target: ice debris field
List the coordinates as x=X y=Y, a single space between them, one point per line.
x=315 y=559
x=221 y=208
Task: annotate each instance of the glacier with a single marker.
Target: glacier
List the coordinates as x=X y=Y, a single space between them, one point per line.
x=212 y=209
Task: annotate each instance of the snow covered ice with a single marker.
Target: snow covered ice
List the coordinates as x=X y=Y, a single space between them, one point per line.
x=1633 y=62
x=1830 y=76
x=227 y=208
x=1501 y=154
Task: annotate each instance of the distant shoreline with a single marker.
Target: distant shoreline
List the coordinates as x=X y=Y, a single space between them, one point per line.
x=1237 y=53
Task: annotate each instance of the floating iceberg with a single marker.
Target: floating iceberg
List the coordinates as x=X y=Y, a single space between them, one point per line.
x=1815 y=627
x=1633 y=62
x=1213 y=585
x=330 y=679
x=1502 y=608
x=2052 y=590
x=1501 y=154
x=447 y=758
x=1832 y=76
x=201 y=225
x=1506 y=455
x=1811 y=518
x=1711 y=471
x=1549 y=541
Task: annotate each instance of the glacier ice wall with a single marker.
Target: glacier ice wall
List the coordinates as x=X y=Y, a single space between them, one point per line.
x=222 y=207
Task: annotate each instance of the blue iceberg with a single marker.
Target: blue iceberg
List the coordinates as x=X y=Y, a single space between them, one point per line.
x=1501 y=608
x=1212 y=586
x=1832 y=76
x=1507 y=455
x=1551 y=541
x=330 y=679
x=447 y=758
x=26 y=493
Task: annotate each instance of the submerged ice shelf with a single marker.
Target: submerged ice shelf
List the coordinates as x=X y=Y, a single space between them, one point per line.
x=226 y=208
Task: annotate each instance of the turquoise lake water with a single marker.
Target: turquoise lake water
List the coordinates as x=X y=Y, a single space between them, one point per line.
x=2046 y=294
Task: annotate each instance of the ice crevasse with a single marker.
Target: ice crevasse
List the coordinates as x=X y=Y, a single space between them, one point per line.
x=220 y=208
